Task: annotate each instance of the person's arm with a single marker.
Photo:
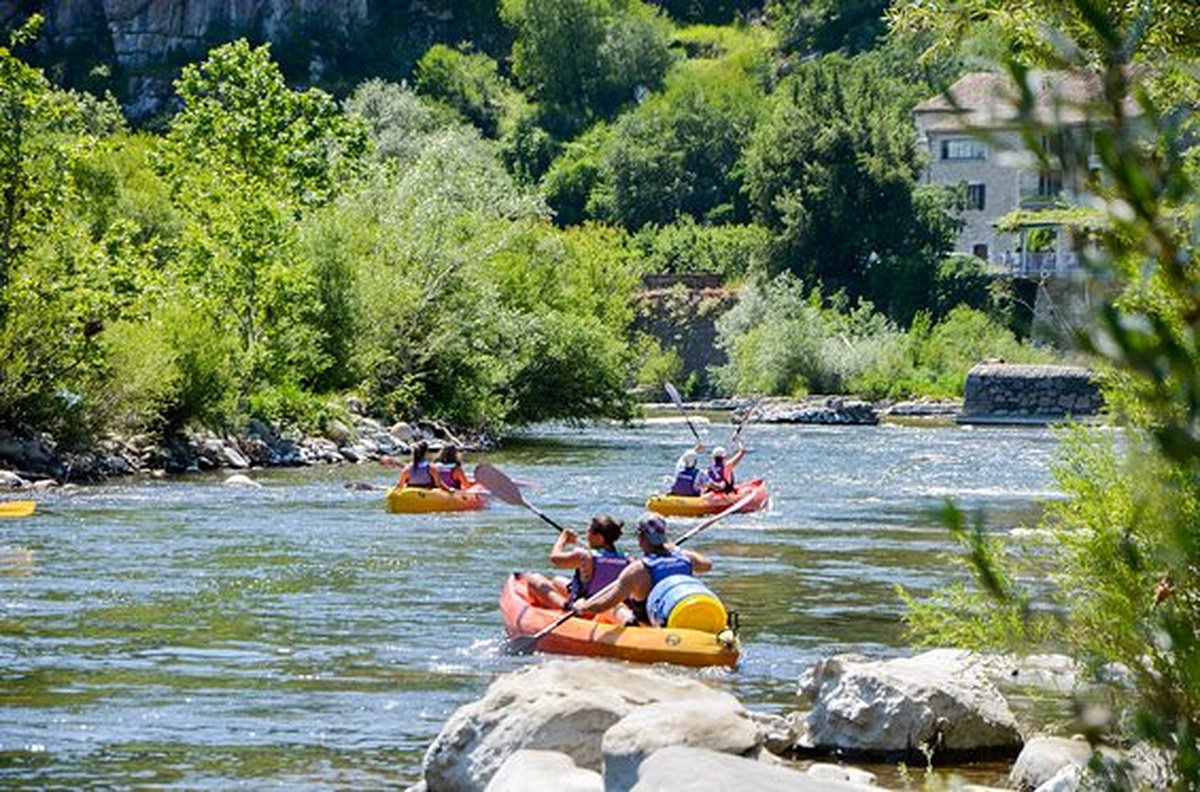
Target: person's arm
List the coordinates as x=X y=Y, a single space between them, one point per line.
x=610 y=595
x=564 y=555
x=461 y=478
x=700 y=562
x=404 y=474
x=733 y=460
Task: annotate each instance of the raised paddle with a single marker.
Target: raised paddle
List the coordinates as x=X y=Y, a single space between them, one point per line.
x=507 y=490
x=21 y=508
x=523 y=644
x=745 y=419
x=674 y=394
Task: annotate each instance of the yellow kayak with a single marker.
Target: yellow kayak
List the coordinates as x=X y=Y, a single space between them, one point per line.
x=712 y=503
x=420 y=500
x=21 y=508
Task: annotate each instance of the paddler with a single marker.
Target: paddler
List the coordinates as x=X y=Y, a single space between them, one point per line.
x=720 y=472
x=419 y=472
x=690 y=480
x=661 y=560
x=596 y=566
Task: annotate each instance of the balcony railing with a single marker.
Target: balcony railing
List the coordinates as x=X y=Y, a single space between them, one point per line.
x=1036 y=264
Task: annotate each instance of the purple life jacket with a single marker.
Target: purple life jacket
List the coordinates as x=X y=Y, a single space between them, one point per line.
x=420 y=475
x=685 y=483
x=606 y=567
x=716 y=473
x=446 y=471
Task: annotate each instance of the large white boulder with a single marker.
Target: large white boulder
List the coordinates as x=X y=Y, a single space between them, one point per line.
x=559 y=705
x=526 y=770
x=682 y=768
x=720 y=724
x=940 y=701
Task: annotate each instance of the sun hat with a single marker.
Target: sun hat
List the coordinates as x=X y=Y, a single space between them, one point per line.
x=689 y=458
x=719 y=452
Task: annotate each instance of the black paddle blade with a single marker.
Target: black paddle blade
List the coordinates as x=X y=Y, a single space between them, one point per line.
x=519 y=645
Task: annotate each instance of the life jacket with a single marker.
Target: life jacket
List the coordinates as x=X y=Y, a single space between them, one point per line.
x=421 y=475
x=685 y=482
x=446 y=471
x=716 y=473
x=660 y=567
x=606 y=567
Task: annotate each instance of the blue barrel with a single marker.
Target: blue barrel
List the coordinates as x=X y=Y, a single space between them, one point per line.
x=683 y=602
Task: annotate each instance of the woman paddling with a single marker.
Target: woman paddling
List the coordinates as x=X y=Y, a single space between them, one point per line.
x=596 y=566
x=450 y=468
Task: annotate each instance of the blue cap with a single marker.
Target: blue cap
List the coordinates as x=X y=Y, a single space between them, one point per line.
x=653 y=527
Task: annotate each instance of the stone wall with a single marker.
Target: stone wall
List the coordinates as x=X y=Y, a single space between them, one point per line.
x=1007 y=393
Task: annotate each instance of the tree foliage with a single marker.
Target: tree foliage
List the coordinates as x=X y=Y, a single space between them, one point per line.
x=832 y=171
x=590 y=56
x=467 y=81
x=848 y=26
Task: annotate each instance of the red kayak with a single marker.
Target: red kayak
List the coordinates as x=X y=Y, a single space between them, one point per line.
x=601 y=638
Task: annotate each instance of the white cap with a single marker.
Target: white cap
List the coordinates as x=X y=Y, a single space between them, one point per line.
x=689 y=458
x=719 y=452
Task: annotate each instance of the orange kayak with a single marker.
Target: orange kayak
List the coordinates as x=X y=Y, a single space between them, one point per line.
x=711 y=503
x=420 y=500
x=598 y=638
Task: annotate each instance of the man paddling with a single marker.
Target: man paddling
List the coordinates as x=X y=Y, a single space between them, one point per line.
x=636 y=581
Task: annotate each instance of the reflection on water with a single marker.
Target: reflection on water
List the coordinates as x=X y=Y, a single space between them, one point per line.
x=183 y=633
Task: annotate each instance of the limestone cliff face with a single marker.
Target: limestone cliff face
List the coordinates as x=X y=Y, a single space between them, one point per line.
x=145 y=40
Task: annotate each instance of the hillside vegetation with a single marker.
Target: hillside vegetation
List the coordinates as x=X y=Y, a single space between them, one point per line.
x=460 y=239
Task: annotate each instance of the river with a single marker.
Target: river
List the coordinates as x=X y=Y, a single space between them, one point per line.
x=183 y=633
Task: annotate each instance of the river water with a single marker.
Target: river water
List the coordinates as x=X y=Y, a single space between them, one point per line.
x=184 y=633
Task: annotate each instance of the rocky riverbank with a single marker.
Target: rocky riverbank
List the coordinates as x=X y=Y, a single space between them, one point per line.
x=596 y=725
x=30 y=460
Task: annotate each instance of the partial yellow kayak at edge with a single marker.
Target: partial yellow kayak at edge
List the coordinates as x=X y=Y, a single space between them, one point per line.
x=21 y=508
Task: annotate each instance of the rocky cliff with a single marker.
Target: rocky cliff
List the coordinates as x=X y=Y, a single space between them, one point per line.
x=142 y=44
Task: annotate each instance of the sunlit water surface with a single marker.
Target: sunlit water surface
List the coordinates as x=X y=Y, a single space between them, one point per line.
x=184 y=633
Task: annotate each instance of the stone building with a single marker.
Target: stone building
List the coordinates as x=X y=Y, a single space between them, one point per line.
x=972 y=139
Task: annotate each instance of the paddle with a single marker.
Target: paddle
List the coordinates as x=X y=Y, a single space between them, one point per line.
x=674 y=394
x=745 y=420
x=507 y=490
x=21 y=508
x=523 y=644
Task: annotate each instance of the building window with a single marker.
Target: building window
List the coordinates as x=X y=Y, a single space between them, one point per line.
x=976 y=196
x=980 y=251
x=1050 y=184
x=963 y=148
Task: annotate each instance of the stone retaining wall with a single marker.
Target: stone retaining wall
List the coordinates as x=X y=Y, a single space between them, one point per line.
x=1008 y=393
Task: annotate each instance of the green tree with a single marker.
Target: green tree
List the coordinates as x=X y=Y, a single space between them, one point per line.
x=679 y=153
x=238 y=113
x=832 y=172
x=467 y=81
x=850 y=26
x=588 y=55
x=27 y=111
